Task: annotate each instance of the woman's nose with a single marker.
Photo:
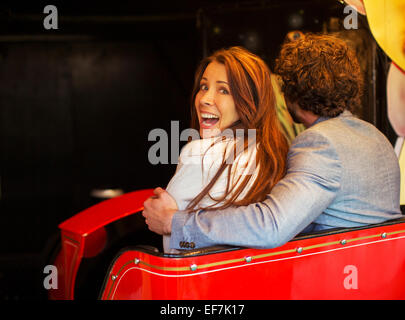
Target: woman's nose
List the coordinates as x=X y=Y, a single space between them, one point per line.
x=208 y=98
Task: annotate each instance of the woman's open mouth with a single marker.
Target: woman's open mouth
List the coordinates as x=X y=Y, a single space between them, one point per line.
x=208 y=120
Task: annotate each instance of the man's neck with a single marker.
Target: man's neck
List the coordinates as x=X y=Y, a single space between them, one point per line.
x=299 y=115
x=308 y=118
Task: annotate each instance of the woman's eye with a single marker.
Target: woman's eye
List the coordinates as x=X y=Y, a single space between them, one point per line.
x=203 y=87
x=224 y=91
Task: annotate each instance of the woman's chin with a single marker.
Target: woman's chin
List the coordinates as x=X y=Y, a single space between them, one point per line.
x=209 y=132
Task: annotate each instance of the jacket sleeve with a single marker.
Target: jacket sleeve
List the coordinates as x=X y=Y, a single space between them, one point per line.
x=310 y=185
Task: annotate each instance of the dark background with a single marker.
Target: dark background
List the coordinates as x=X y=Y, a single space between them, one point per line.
x=77 y=103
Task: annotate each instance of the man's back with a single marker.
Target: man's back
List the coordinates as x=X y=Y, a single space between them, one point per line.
x=367 y=167
x=342 y=172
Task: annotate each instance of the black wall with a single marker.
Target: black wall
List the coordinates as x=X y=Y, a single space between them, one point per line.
x=76 y=107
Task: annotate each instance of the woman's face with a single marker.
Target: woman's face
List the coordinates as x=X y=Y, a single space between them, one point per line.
x=214 y=103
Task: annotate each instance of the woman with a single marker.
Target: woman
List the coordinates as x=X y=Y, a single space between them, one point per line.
x=231 y=99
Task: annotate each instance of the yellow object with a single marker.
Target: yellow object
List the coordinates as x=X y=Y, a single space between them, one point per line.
x=386 y=19
x=402 y=167
x=288 y=126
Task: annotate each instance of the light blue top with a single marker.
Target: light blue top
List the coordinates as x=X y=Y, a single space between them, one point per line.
x=342 y=172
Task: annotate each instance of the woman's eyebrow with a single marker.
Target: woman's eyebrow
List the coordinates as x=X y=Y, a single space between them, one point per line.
x=219 y=81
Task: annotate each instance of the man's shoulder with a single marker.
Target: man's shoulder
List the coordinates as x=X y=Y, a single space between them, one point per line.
x=337 y=128
x=312 y=135
x=321 y=138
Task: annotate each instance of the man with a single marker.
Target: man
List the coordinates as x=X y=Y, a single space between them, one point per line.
x=342 y=172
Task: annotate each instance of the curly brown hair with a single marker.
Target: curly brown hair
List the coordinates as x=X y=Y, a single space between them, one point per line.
x=321 y=73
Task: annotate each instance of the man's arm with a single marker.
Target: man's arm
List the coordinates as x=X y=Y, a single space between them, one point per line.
x=311 y=184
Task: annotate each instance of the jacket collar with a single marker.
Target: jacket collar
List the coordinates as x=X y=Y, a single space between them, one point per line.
x=345 y=113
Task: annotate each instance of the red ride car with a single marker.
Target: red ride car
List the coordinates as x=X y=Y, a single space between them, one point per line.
x=107 y=252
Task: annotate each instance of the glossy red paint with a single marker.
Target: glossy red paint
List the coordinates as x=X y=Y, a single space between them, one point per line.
x=361 y=264
x=84 y=235
x=366 y=263
x=105 y=212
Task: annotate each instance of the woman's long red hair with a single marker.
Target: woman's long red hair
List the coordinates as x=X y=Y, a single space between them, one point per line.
x=250 y=85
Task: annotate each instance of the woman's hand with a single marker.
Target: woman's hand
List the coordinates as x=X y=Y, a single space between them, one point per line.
x=159 y=210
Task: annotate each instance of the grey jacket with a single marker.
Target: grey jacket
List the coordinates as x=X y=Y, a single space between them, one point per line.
x=342 y=172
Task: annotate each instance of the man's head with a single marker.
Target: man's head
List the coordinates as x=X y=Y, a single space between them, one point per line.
x=320 y=74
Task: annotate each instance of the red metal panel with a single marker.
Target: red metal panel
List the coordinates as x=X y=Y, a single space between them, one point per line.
x=84 y=235
x=328 y=267
x=105 y=212
x=72 y=251
x=59 y=293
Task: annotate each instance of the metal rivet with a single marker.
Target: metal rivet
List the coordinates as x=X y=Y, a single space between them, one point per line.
x=113 y=277
x=248 y=259
x=384 y=235
x=299 y=250
x=193 y=267
x=136 y=261
x=343 y=242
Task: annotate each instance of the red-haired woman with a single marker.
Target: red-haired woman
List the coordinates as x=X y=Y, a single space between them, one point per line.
x=242 y=153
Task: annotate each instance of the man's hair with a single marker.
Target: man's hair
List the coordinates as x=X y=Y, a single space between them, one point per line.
x=320 y=73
